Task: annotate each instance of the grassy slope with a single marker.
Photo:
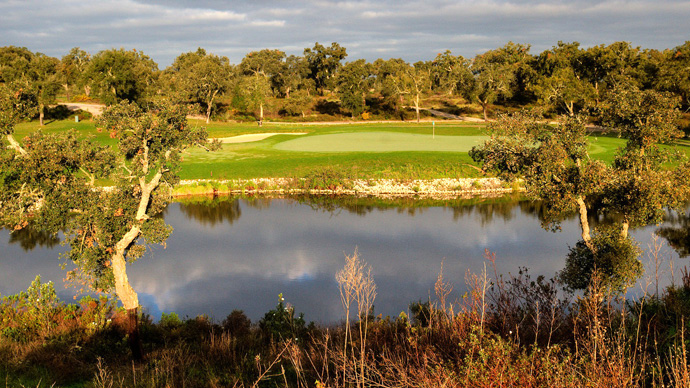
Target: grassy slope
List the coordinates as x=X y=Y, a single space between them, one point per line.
x=261 y=159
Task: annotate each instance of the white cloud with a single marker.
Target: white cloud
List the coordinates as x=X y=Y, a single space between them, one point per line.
x=267 y=23
x=412 y=30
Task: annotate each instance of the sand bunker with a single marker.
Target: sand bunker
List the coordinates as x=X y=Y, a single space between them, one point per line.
x=253 y=137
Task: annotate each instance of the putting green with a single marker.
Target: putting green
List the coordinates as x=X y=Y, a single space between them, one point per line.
x=380 y=142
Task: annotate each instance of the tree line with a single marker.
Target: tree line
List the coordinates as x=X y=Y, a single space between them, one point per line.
x=565 y=79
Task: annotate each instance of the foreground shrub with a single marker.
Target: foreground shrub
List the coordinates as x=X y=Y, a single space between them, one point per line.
x=512 y=332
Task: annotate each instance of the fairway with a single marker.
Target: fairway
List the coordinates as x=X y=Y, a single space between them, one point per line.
x=380 y=142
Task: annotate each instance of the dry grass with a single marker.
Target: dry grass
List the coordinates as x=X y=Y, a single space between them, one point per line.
x=509 y=332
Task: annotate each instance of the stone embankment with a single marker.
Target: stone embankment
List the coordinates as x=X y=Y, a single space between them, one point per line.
x=445 y=188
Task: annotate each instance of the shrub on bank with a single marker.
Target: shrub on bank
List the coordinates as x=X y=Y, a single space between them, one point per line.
x=506 y=331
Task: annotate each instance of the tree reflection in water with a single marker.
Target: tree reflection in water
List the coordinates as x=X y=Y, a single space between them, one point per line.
x=677 y=232
x=295 y=245
x=210 y=211
x=29 y=239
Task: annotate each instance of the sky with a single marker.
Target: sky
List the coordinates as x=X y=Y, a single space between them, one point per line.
x=369 y=29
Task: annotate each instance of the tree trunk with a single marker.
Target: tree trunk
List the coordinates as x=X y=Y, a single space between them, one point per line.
x=584 y=225
x=416 y=107
x=261 y=114
x=123 y=289
x=15 y=144
x=485 y=107
x=41 y=114
x=133 y=337
x=571 y=108
x=67 y=92
x=624 y=229
x=126 y=293
x=364 y=102
x=210 y=105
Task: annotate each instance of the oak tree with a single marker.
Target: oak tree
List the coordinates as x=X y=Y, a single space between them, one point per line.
x=48 y=182
x=353 y=84
x=122 y=75
x=412 y=82
x=449 y=71
x=495 y=75
x=560 y=82
x=200 y=78
x=635 y=190
x=324 y=63
x=72 y=68
x=261 y=70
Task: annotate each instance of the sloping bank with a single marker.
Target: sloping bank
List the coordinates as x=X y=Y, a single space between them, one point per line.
x=445 y=188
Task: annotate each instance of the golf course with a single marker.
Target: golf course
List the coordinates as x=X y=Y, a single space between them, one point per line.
x=394 y=150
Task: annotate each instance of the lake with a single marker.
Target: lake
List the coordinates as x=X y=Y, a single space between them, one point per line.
x=232 y=253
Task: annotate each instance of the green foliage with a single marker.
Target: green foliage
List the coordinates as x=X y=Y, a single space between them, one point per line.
x=353 y=83
x=496 y=74
x=560 y=83
x=152 y=139
x=299 y=102
x=254 y=91
x=449 y=72
x=644 y=187
x=44 y=184
x=198 y=77
x=30 y=313
x=674 y=63
x=616 y=262
x=324 y=63
x=16 y=103
x=553 y=161
x=118 y=74
x=607 y=66
x=421 y=313
x=636 y=189
x=269 y=63
x=644 y=117
x=15 y=63
x=72 y=68
x=281 y=323
x=169 y=321
x=38 y=314
x=35 y=74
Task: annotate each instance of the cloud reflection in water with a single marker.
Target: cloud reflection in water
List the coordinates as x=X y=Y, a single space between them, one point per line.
x=240 y=254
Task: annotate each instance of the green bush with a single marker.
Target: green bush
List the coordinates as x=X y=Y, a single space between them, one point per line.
x=281 y=323
x=615 y=262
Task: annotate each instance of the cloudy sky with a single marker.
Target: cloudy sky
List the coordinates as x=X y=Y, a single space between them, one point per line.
x=369 y=29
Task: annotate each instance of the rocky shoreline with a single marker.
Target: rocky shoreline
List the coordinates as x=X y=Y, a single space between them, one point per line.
x=445 y=188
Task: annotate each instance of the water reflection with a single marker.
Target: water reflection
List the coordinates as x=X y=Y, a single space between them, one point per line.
x=232 y=253
x=30 y=238
x=676 y=230
x=210 y=211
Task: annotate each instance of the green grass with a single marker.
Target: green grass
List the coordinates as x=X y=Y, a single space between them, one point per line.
x=265 y=158
x=380 y=142
x=368 y=151
x=85 y=128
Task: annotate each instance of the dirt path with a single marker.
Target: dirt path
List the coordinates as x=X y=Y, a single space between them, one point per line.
x=94 y=109
x=97 y=109
x=450 y=116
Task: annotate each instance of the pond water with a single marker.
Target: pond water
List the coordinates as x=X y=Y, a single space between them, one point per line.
x=231 y=253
